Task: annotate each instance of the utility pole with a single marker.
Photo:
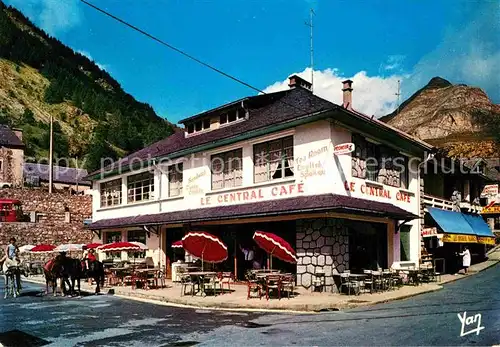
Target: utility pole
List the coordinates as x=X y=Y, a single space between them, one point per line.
x=398 y=94
x=51 y=160
x=310 y=24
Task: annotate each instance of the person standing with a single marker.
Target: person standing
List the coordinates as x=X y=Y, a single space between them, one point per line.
x=249 y=255
x=465 y=259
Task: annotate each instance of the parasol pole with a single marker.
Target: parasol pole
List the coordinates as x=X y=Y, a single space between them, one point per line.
x=202 y=254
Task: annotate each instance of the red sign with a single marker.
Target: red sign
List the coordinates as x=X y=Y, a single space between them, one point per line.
x=343 y=148
x=254 y=194
x=377 y=191
x=429 y=232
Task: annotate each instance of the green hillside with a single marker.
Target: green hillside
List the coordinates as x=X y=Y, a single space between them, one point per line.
x=94 y=117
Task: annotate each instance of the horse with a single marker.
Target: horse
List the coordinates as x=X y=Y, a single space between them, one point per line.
x=12 y=273
x=78 y=271
x=53 y=270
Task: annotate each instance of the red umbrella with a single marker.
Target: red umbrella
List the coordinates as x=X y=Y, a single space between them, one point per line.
x=275 y=246
x=119 y=246
x=93 y=245
x=177 y=244
x=43 y=249
x=205 y=246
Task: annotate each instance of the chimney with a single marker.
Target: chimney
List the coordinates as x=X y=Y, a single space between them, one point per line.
x=296 y=81
x=18 y=132
x=347 y=94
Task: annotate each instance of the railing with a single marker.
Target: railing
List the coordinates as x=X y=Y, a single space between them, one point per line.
x=434 y=201
x=443 y=204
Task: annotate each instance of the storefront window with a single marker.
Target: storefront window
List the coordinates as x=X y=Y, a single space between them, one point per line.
x=111 y=193
x=227 y=169
x=136 y=236
x=273 y=159
x=110 y=237
x=404 y=243
x=175 y=175
x=140 y=187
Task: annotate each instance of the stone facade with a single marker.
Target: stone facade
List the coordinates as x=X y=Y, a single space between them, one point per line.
x=59 y=218
x=322 y=246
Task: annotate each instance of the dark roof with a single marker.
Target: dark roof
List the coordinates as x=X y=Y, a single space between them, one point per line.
x=302 y=204
x=264 y=111
x=8 y=137
x=61 y=174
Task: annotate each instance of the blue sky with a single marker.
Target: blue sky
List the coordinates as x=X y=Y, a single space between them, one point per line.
x=375 y=43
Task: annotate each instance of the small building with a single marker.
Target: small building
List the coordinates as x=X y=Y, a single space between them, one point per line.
x=454 y=200
x=11 y=157
x=63 y=178
x=288 y=162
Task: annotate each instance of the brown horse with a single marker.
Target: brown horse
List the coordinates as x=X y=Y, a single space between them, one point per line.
x=54 y=270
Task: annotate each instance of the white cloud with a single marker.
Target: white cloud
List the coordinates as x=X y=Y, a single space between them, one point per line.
x=53 y=16
x=468 y=54
x=373 y=95
x=394 y=62
x=87 y=54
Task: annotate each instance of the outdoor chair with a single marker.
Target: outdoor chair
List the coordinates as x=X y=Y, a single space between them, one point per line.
x=187 y=281
x=225 y=278
x=160 y=279
x=377 y=280
x=208 y=282
x=368 y=281
x=345 y=281
x=273 y=282
x=254 y=287
x=288 y=284
x=319 y=281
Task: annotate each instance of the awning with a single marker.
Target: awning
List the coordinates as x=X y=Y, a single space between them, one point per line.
x=298 y=205
x=451 y=222
x=482 y=230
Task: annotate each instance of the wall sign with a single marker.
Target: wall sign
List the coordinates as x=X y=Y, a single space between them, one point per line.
x=426 y=232
x=490 y=191
x=458 y=238
x=486 y=240
x=312 y=164
x=343 y=148
x=495 y=209
x=378 y=191
x=283 y=191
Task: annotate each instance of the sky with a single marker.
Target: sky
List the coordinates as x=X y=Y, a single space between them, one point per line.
x=262 y=42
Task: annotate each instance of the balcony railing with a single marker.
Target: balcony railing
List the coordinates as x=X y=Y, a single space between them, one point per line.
x=443 y=204
x=434 y=201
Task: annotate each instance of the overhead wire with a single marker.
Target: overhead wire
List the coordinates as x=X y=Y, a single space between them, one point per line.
x=187 y=55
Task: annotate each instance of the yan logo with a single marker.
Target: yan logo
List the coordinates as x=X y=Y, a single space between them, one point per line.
x=468 y=322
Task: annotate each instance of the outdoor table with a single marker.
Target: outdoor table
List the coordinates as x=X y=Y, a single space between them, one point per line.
x=201 y=278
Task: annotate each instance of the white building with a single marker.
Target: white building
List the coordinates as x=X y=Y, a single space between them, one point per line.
x=336 y=208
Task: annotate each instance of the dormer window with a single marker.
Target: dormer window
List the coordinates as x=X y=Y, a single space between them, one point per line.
x=200 y=125
x=232 y=116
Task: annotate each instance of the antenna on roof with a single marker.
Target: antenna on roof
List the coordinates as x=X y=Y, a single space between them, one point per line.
x=310 y=24
x=398 y=94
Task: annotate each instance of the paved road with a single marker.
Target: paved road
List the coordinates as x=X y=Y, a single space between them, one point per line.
x=429 y=319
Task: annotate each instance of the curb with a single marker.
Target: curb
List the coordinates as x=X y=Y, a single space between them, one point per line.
x=461 y=277
x=301 y=309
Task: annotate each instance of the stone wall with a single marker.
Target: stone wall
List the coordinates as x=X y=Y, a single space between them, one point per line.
x=322 y=245
x=59 y=218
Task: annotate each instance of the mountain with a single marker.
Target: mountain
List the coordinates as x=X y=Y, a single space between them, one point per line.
x=459 y=119
x=93 y=116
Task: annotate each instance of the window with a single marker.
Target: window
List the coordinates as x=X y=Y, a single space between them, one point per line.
x=110 y=237
x=111 y=193
x=190 y=128
x=273 y=159
x=379 y=163
x=232 y=116
x=227 y=169
x=140 y=187
x=198 y=125
x=175 y=173
x=136 y=236
x=206 y=123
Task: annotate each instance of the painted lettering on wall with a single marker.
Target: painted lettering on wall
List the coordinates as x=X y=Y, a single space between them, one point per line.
x=192 y=186
x=311 y=165
x=254 y=194
x=377 y=191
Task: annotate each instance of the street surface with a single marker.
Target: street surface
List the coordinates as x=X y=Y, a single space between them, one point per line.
x=105 y=320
